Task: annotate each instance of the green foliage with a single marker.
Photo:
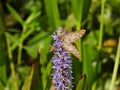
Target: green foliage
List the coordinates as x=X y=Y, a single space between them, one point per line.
x=82 y=84
x=3 y=51
x=77 y=70
x=15 y=14
x=80 y=9
x=28 y=80
x=1 y=86
x=52 y=13
x=37 y=79
x=27 y=25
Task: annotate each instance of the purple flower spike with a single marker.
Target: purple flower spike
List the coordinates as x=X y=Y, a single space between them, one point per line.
x=62 y=74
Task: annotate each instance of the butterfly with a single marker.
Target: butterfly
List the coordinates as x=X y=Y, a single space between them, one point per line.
x=68 y=39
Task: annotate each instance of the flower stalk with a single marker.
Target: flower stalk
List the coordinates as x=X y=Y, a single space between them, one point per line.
x=62 y=74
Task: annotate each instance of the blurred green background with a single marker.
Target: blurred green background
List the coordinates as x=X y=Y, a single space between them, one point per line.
x=26 y=27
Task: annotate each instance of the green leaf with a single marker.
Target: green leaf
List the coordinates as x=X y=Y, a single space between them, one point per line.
x=23 y=72
x=37 y=83
x=2 y=25
x=32 y=17
x=80 y=9
x=14 y=38
x=21 y=39
x=77 y=6
x=48 y=75
x=38 y=37
x=82 y=84
x=1 y=86
x=3 y=74
x=86 y=8
x=10 y=83
x=90 y=62
x=42 y=41
x=92 y=39
x=15 y=14
x=28 y=80
x=38 y=41
x=77 y=70
x=52 y=13
x=3 y=49
x=30 y=6
x=32 y=50
x=3 y=58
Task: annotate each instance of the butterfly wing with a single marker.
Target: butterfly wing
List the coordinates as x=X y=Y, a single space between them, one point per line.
x=71 y=48
x=69 y=38
x=73 y=36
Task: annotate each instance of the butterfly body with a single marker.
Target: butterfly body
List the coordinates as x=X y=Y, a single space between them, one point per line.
x=68 y=39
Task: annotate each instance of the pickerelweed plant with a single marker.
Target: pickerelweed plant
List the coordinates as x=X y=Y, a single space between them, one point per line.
x=62 y=74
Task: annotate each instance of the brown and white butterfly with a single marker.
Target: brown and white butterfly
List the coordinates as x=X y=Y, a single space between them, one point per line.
x=68 y=39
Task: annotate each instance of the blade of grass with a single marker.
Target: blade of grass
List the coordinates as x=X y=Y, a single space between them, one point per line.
x=28 y=80
x=101 y=24
x=3 y=59
x=37 y=83
x=116 y=65
x=15 y=14
x=32 y=17
x=49 y=77
x=12 y=67
x=77 y=6
x=89 y=54
x=52 y=13
x=82 y=84
x=77 y=65
x=80 y=8
x=3 y=52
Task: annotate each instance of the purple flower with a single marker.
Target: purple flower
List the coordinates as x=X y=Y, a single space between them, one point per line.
x=62 y=74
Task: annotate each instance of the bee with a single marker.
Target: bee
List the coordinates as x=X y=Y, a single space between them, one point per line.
x=68 y=39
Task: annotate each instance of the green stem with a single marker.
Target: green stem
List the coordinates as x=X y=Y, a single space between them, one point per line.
x=78 y=24
x=101 y=25
x=19 y=53
x=21 y=46
x=78 y=27
x=12 y=67
x=78 y=44
x=22 y=38
x=115 y=70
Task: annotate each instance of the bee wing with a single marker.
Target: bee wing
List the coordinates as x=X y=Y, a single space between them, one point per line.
x=73 y=36
x=71 y=48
